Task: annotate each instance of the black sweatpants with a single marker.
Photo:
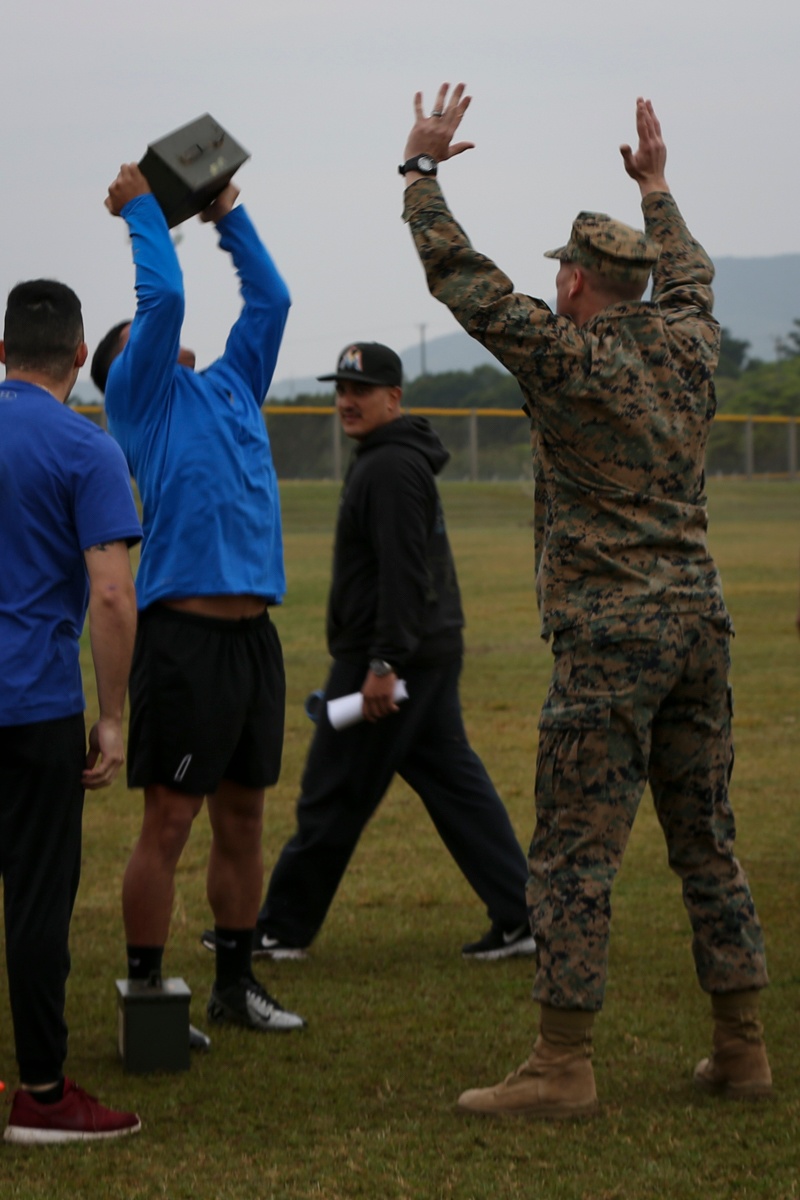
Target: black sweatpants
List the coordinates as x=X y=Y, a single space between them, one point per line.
x=347 y=774
x=41 y=811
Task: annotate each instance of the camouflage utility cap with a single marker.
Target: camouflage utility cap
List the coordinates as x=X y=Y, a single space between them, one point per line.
x=614 y=250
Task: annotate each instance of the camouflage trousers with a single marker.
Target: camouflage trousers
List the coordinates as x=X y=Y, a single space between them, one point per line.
x=631 y=703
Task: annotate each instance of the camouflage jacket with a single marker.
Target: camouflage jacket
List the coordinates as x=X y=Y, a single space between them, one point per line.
x=620 y=413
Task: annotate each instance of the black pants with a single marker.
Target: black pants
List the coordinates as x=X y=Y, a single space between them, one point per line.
x=41 y=810
x=347 y=774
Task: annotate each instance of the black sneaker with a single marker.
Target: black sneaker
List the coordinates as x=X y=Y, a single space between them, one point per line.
x=248 y=1003
x=264 y=946
x=198 y=1040
x=501 y=943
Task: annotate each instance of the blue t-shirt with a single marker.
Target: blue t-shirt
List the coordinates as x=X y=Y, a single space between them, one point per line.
x=64 y=487
x=196 y=442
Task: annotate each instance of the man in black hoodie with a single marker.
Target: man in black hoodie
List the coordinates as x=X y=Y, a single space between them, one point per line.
x=394 y=612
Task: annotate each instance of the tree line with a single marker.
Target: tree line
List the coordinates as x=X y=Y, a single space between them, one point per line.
x=750 y=387
x=303 y=445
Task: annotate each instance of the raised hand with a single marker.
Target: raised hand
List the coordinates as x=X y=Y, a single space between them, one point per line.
x=434 y=134
x=647 y=164
x=129 y=183
x=222 y=205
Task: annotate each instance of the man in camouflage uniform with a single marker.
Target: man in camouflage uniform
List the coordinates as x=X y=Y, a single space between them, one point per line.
x=621 y=397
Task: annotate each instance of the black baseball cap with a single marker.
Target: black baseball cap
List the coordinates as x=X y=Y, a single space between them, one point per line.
x=368 y=362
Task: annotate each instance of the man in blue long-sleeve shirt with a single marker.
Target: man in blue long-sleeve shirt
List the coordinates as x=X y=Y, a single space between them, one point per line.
x=207 y=685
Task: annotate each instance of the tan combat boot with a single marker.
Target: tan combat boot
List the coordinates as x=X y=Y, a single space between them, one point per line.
x=556 y=1081
x=738 y=1067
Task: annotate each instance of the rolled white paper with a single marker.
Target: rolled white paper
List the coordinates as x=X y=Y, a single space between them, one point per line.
x=349 y=710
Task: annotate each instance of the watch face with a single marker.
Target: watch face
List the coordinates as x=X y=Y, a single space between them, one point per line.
x=425 y=163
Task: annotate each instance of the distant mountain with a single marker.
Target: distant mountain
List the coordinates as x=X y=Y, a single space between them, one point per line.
x=287 y=389
x=757 y=299
x=452 y=352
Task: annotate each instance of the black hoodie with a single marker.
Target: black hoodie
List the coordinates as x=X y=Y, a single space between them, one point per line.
x=394 y=593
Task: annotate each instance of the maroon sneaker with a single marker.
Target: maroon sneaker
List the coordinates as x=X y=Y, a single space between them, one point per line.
x=76 y=1117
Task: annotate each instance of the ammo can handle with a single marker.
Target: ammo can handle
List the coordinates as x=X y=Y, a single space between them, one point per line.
x=195 y=151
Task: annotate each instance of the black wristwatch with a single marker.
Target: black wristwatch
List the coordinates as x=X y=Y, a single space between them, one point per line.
x=423 y=163
x=380 y=668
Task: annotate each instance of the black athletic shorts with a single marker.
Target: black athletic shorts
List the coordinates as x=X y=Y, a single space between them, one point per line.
x=207 y=702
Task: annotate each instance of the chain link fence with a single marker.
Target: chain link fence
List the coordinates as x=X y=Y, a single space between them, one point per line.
x=494 y=443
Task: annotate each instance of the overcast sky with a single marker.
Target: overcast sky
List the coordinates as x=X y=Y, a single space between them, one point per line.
x=320 y=92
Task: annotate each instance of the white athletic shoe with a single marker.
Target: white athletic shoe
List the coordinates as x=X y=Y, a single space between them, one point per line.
x=248 y=1003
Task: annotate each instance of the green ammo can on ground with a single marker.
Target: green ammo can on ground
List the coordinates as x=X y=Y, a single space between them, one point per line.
x=153 y=1025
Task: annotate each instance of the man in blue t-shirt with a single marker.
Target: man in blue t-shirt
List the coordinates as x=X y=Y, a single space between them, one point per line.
x=67 y=519
x=207 y=684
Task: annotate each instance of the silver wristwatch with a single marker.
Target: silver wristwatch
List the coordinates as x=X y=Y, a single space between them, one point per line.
x=423 y=163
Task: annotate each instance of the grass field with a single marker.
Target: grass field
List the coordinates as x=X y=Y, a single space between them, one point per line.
x=361 y=1104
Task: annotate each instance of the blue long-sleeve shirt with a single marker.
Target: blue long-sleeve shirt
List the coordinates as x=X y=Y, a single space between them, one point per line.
x=196 y=442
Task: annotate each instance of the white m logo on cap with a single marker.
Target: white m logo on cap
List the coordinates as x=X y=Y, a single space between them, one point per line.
x=351 y=360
